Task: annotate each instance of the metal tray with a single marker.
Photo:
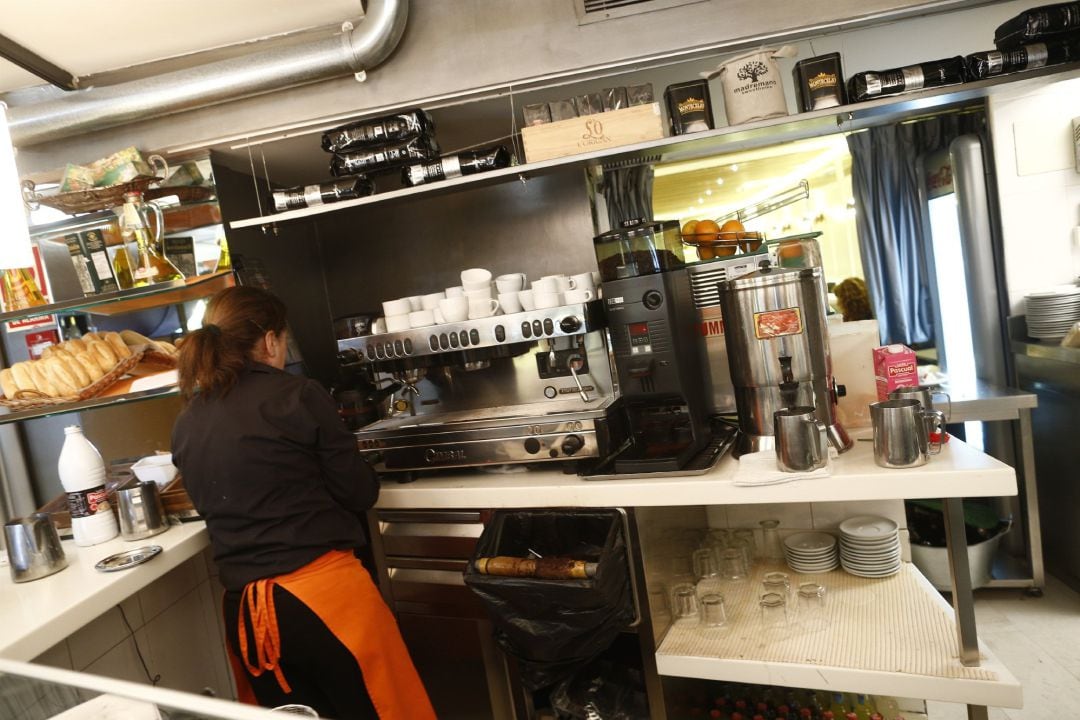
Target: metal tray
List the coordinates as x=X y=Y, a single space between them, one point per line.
x=723 y=437
x=128 y=558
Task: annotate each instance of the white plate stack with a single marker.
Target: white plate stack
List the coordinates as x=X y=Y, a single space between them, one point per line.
x=811 y=552
x=1051 y=312
x=870 y=546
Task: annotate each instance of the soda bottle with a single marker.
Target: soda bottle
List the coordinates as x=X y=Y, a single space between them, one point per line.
x=82 y=473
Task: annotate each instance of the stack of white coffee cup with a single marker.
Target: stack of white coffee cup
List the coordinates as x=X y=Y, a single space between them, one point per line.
x=480 y=296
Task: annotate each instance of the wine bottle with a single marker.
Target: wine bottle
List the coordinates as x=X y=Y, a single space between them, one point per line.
x=1028 y=57
x=20 y=290
x=449 y=166
x=303 y=196
x=387 y=156
x=870 y=85
x=377 y=131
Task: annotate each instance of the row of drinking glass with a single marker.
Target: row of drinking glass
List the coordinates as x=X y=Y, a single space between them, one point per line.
x=778 y=606
x=729 y=554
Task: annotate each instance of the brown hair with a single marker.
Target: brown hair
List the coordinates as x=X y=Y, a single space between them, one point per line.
x=212 y=357
x=853 y=300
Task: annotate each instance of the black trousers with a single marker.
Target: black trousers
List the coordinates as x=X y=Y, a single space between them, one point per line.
x=322 y=673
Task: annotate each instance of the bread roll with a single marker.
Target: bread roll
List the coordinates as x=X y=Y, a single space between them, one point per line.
x=103 y=354
x=167 y=347
x=49 y=351
x=41 y=380
x=74 y=346
x=118 y=345
x=74 y=367
x=60 y=376
x=20 y=371
x=90 y=366
x=8 y=384
x=134 y=339
x=87 y=337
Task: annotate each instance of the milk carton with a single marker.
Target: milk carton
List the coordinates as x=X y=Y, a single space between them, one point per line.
x=894 y=366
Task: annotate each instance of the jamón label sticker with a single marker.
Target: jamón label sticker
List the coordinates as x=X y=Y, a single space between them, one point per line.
x=776 y=323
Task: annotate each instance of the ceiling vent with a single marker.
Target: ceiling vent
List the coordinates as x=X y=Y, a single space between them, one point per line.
x=590 y=11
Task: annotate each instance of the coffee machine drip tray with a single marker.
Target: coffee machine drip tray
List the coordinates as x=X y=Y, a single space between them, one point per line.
x=722 y=439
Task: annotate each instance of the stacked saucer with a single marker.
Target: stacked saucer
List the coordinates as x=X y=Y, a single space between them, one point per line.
x=1050 y=313
x=811 y=552
x=870 y=546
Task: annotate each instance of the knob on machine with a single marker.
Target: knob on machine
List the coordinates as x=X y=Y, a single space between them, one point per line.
x=572 y=443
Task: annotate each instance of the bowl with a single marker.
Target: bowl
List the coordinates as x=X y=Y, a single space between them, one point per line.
x=155 y=468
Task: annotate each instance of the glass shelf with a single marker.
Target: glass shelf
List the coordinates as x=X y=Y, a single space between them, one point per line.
x=10 y=416
x=125 y=301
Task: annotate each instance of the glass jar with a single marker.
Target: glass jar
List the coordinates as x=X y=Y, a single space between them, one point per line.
x=644 y=249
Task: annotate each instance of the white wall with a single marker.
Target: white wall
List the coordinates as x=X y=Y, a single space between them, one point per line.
x=1039 y=186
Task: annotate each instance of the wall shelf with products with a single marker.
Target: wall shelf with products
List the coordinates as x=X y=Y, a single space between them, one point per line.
x=729 y=139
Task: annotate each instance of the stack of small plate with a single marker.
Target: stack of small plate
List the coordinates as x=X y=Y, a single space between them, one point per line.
x=870 y=546
x=1050 y=313
x=811 y=552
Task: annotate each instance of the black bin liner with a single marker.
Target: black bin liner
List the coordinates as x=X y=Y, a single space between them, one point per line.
x=553 y=627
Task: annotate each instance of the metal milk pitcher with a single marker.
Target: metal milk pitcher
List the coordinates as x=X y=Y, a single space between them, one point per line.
x=902 y=430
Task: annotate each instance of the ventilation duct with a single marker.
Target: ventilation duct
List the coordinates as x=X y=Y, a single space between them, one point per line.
x=95 y=109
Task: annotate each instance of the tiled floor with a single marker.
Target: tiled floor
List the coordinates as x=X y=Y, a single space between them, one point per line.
x=1038 y=639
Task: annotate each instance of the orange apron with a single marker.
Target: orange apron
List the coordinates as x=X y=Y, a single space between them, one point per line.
x=338 y=589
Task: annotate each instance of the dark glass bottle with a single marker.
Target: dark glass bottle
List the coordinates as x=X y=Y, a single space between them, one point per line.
x=304 y=196
x=466 y=163
x=870 y=85
x=1027 y=57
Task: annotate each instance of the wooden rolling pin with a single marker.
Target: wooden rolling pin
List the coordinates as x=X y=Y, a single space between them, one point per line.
x=554 y=568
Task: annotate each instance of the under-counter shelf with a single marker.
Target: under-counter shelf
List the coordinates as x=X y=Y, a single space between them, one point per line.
x=728 y=139
x=125 y=301
x=891 y=636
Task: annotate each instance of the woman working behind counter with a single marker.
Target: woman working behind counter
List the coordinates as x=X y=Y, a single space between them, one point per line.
x=269 y=465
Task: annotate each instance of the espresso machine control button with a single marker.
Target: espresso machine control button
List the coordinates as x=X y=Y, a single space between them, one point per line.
x=463 y=336
x=453 y=340
x=500 y=335
x=433 y=342
x=538 y=328
x=652 y=299
x=570 y=324
x=550 y=392
x=378 y=352
x=549 y=327
x=526 y=330
x=399 y=348
x=371 y=352
x=444 y=342
x=572 y=444
x=532 y=446
x=408 y=346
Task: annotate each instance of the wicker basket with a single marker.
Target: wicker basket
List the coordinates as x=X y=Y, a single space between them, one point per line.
x=83 y=201
x=29 y=399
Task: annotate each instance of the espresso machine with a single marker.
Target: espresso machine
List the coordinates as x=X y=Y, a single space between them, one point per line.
x=527 y=387
x=778 y=351
x=653 y=331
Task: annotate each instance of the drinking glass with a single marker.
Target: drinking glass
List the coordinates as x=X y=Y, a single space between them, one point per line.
x=706 y=570
x=713 y=614
x=773 y=612
x=743 y=540
x=733 y=564
x=771 y=548
x=777 y=582
x=684 y=602
x=811 y=606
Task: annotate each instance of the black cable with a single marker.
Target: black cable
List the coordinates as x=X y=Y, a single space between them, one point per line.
x=154 y=679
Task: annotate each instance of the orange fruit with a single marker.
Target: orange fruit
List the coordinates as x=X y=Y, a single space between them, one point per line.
x=732 y=226
x=689 y=227
x=705 y=252
x=707 y=230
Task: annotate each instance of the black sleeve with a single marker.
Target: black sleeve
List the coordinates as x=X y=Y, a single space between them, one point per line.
x=349 y=479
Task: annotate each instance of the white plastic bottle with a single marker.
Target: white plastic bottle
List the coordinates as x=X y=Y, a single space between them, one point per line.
x=82 y=473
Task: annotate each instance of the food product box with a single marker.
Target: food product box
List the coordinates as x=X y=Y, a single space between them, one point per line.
x=593 y=132
x=894 y=366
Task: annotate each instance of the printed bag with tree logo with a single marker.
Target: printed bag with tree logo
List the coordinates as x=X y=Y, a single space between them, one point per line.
x=753 y=89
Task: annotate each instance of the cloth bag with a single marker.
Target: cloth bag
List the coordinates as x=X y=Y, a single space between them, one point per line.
x=753 y=89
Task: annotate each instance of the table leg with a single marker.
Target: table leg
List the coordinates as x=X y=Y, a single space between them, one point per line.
x=963 y=598
x=1031 y=501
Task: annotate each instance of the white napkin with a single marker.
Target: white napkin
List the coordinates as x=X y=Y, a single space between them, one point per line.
x=760 y=469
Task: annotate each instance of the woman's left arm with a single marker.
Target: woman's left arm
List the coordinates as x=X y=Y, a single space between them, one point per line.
x=349 y=479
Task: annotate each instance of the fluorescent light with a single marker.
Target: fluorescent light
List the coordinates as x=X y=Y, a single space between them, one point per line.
x=15 y=245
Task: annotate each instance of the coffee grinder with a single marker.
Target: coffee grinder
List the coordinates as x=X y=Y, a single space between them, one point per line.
x=778 y=351
x=652 y=326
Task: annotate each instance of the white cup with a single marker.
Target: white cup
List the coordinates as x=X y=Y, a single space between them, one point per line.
x=379 y=326
x=583 y=281
x=421 y=318
x=431 y=300
x=416 y=303
x=525 y=298
x=563 y=282
x=579 y=296
x=509 y=302
x=437 y=314
x=397 y=323
x=401 y=306
x=484 y=292
x=482 y=307
x=510 y=283
x=547 y=284
x=456 y=291
x=475 y=277
x=544 y=300
x=454 y=309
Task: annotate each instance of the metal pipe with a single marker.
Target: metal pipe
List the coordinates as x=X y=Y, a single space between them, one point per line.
x=95 y=109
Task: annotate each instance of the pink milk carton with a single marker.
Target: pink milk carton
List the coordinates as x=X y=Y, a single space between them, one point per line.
x=894 y=366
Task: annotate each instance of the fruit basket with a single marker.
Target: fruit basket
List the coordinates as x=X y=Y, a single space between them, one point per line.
x=712 y=240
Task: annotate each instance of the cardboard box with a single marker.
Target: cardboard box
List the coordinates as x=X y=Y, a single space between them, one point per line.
x=91 y=260
x=894 y=366
x=593 y=132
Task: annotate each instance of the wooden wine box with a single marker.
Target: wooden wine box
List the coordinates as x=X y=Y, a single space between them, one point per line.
x=590 y=133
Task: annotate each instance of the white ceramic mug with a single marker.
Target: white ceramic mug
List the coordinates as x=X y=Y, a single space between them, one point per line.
x=401 y=306
x=482 y=307
x=509 y=302
x=421 y=318
x=579 y=296
x=397 y=323
x=563 y=282
x=544 y=300
x=510 y=283
x=547 y=284
x=431 y=300
x=379 y=326
x=525 y=297
x=583 y=281
x=454 y=309
x=437 y=314
x=416 y=302
x=484 y=292
x=456 y=291
x=473 y=278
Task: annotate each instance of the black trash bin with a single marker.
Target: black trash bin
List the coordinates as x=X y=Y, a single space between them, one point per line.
x=554 y=627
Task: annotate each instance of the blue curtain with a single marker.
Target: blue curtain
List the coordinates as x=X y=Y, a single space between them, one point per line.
x=889 y=221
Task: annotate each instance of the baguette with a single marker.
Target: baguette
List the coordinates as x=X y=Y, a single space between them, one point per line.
x=103 y=354
x=90 y=365
x=134 y=339
x=20 y=372
x=118 y=345
x=75 y=368
x=74 y=346
x=168 y=347
x=41 y=380
x=8 y=384
x=57 y=372
x=49 y=351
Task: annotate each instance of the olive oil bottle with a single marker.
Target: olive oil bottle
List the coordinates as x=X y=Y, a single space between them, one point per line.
x=150 y=267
